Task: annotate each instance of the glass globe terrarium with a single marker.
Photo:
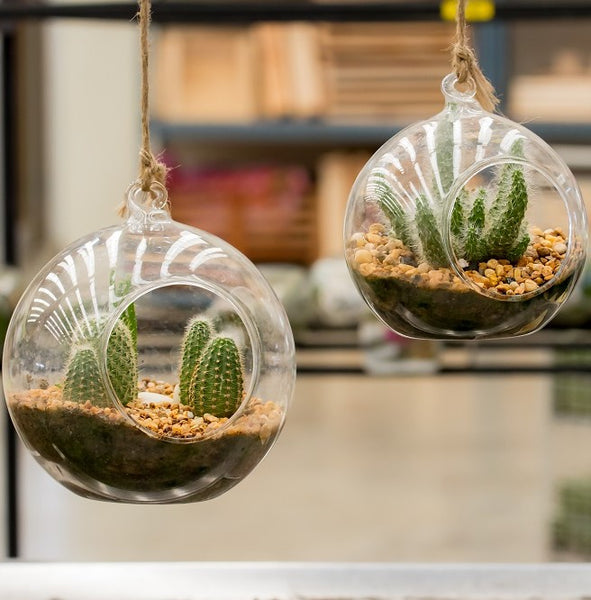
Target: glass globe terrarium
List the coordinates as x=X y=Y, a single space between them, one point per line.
x=149 y=362
x=465 y=226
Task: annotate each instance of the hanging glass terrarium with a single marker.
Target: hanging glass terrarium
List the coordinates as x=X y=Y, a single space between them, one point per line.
x=465 y=226
x=149 y=362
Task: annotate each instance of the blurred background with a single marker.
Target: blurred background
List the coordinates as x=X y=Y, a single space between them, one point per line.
x=394 y=450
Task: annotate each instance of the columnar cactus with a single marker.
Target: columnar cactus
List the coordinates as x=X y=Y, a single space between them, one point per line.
x=83 y=380
x=217 y=385
x=197 y=334
x=122 y=362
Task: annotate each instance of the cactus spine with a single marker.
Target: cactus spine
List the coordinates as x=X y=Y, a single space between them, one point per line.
x=217 y=386
x=197 y=334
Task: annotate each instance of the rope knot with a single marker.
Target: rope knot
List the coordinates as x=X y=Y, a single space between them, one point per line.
x=465 y=64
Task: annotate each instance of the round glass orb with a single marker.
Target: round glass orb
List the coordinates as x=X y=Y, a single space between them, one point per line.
x=149 y=362
x=465 y=226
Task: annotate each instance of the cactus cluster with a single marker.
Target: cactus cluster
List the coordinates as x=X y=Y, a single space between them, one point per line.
x=211 y=374
x=83 y=381
x=483 y=225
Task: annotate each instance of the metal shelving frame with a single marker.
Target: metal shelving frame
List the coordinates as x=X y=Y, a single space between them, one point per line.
x=491 y=37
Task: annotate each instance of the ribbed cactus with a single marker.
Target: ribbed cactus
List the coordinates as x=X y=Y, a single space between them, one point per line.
x=122 y=362
x=490 y=228
x=505 y=230
x=444 y=147
x=474 y=247
x=83 y=380
x=197 y=333
x=128 y=317
x=217 y=385
x=428 y=230
x=379 y=187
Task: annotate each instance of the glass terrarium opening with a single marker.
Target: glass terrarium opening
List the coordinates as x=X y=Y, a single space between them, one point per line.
x=506 y=229
x=179 y=360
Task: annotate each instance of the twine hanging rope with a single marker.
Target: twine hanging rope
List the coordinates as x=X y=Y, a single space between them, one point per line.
x=465 y=64
x=151 y=170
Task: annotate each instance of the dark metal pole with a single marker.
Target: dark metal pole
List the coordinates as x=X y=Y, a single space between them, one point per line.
x=249 y=12
x=9 y=169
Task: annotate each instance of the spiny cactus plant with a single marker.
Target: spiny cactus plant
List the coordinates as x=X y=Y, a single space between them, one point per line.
x=83 y=380
x=122 y=362
x=217 y=385
x=481 y=227
x=197 y=333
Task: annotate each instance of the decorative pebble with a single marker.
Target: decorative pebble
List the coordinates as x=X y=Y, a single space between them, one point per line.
x=363 y=256
x=384 y=256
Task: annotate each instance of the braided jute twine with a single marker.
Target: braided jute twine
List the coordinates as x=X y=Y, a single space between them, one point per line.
x=151 y=170
x=465 y=64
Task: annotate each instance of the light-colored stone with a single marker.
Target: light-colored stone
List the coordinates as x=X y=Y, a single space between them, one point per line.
x=363 y=256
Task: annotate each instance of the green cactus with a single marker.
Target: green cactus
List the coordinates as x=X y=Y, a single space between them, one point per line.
x=490 y=229
x=429 y=233
x=128 y=317
x=444 y=146
x=217 y=385
x=458 y=222
x=122 y=363
x=474 y=249
x=197 y=334
x=505 y=230
x=387 y=201
x=83 y=380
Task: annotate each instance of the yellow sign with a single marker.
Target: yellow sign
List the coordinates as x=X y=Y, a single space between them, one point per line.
x=476 y=10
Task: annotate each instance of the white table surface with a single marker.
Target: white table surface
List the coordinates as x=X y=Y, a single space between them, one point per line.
x=295 y=581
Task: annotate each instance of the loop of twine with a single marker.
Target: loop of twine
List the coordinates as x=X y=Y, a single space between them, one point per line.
x=465 y=64
x=151 y=170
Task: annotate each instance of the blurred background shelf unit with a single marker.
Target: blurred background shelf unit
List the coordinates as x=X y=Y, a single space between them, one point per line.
x=286 y=114
x=290 y=98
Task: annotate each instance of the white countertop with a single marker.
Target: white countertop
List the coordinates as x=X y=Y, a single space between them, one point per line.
x=295 y=581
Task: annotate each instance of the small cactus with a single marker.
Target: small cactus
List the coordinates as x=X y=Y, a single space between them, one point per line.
x=122 y=363
x=197 y=334
x=428 y=230
x=129 y=318
x=217 y=384
x=83 y=380
x=490 y=229
x=473 y=245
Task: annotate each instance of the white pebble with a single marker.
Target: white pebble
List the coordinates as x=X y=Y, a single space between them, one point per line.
x=559 y=247
x=147 y=397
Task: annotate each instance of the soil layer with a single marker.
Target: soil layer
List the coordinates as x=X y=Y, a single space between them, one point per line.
x=419 y=301
x=90 y=445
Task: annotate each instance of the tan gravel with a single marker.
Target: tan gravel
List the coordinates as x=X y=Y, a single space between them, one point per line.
x=377 y=254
